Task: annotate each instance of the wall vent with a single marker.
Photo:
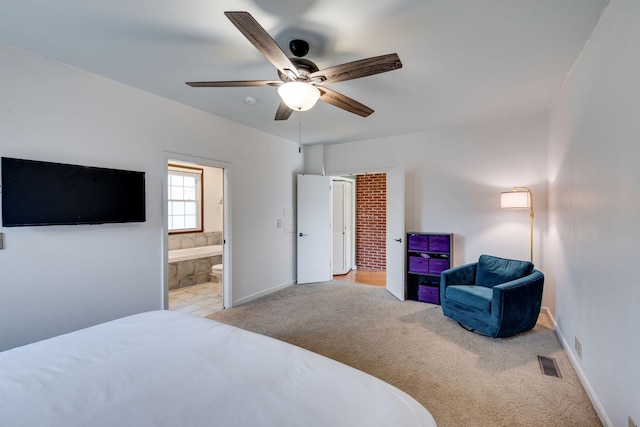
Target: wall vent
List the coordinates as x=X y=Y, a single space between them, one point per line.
x=549 y=367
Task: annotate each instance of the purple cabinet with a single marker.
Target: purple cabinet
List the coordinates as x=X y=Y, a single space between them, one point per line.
x=428 y=255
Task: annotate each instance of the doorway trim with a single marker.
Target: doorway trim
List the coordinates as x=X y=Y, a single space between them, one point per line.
x=355 y=172
x=227 y=296
x=396 y=291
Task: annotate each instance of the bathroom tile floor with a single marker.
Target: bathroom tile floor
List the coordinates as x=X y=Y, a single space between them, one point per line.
x=200 y=300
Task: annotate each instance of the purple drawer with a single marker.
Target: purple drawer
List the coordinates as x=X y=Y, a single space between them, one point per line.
x=418 y=264
x=428 y=294
x=438 y=265
x=439 y=243
x=418 y=242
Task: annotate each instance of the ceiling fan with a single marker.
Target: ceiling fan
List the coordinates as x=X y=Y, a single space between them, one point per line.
x=301 y=83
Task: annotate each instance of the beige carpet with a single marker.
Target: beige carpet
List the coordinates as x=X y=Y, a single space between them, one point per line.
x=462 y=378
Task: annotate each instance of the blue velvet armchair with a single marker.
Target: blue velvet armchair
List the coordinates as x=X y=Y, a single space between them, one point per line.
x=496 y=297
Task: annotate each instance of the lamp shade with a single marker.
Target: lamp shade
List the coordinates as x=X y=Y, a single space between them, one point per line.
x=299 y=96
x=515 y=200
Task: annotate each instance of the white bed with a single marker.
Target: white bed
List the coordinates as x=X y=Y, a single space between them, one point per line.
x=165 y=368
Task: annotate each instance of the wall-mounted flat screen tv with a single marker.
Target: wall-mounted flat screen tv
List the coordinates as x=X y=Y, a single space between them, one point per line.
x=45 y=193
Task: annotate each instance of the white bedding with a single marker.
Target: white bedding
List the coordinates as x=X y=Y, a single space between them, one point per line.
x=166 y=368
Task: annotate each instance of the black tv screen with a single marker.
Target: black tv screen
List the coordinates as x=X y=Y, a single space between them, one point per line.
x=44 y=193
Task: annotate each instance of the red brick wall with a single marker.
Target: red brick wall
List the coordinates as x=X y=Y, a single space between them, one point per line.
x=371 y=221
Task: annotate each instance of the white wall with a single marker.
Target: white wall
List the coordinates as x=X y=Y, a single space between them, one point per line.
x=314 y=159
x=594 y=228
x=58 y=279
x=453 y=182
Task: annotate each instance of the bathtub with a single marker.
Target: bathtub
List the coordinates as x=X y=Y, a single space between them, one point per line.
x=177 y=255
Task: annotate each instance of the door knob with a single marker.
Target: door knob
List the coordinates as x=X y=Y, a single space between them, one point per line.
x=302 y=234
x=398 y=240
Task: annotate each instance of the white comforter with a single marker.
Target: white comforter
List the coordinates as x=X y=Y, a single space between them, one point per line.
x=165 y=368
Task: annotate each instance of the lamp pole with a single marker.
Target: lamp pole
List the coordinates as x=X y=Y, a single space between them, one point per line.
x=531 y=214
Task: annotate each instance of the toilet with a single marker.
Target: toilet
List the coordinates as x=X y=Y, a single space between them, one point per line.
x=216 y=271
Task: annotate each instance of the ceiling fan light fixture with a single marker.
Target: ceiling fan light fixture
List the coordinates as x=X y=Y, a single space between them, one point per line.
x=299 y=96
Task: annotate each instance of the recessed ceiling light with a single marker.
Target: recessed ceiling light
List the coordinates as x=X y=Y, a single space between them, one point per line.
x=250 y=100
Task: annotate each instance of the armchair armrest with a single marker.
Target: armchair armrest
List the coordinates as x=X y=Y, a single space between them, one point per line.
x=516 y=304
x=462 y=275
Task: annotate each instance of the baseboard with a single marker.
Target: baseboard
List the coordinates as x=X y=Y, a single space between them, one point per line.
x=262 y=293
x=576 y=366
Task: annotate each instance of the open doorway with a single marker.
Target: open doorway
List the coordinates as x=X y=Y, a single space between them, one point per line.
x=196 y=234
x=314 y=246
x=360 y=213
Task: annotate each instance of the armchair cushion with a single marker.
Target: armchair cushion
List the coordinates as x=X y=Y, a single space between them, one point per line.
x=476 y=298
x=492 y=270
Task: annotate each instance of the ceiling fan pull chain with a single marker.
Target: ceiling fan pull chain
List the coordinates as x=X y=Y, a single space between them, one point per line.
x=299 y=131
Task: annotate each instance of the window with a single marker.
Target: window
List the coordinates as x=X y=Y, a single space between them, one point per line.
x=185 y=199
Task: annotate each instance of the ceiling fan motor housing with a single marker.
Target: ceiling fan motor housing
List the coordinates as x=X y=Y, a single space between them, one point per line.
x=305 y=69
x=299 y=47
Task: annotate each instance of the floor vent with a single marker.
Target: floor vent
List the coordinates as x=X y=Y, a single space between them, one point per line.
x=548 y=366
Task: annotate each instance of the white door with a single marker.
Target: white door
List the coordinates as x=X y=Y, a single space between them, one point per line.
x=395 y=233
x=314 y=228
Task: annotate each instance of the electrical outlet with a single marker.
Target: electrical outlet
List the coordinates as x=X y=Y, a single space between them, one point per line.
x=279 y=223
x=1 y=240
x=578 y=347
x=632 y=423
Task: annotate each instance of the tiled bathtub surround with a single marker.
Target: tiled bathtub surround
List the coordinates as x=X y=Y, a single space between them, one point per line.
x=193 y=271
x=194 y=240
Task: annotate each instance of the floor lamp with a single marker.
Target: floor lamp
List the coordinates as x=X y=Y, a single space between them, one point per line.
x=519 y=198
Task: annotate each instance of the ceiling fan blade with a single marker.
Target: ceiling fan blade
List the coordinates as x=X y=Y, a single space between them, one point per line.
x=342 y=101
x=262 y=41
x=238 y=83
x=283 y=112
x=357 y=69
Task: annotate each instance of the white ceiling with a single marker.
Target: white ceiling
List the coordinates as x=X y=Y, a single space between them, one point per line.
x=465 y=61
